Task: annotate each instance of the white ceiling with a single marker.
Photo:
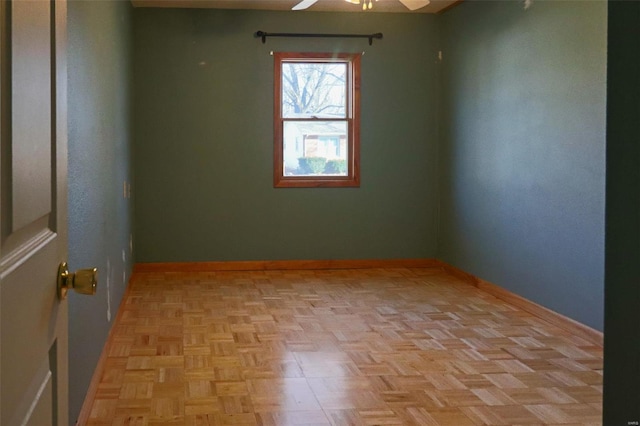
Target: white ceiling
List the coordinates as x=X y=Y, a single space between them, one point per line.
x=390 y=6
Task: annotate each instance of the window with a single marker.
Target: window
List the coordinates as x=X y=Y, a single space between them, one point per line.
x=316 y=120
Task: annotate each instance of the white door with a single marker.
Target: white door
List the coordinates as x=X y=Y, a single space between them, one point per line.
x=33 y=176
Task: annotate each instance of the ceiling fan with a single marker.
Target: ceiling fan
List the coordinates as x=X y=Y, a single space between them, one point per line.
x=367 y=4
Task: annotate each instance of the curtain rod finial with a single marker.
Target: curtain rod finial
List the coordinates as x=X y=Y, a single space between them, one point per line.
x=263 y=35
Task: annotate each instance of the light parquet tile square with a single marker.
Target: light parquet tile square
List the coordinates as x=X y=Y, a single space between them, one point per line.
x=338 y=347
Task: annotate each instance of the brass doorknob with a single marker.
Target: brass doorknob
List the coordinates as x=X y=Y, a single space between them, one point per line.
x=83 y=281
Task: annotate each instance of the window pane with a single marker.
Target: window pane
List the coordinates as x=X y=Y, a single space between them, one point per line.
x=314 y=90
x=315 y=148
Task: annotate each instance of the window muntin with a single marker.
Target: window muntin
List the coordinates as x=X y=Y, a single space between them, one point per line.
x=316 y=119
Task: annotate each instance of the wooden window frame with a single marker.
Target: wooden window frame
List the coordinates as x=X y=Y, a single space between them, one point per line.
x=352 y=179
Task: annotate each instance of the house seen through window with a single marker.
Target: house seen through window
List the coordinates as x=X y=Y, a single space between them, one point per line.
x=316 y=123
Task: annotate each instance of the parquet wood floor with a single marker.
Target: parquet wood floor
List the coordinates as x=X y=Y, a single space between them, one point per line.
x=340 y=347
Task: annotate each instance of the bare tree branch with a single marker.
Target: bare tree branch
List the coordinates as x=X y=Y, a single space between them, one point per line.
x=310 y=88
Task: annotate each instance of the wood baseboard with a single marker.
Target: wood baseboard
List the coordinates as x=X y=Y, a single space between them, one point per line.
x=552 y=317
x=85 y=411
x=274 y=265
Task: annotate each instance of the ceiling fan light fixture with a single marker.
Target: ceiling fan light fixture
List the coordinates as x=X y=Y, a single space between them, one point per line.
x=365 y=5
x=409 y=4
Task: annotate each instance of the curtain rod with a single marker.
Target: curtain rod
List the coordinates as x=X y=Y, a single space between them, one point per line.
x=264 y=35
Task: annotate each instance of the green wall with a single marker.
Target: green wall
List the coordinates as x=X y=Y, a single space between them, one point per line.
x=204 y=146
x=523 y=149
x=100 y=218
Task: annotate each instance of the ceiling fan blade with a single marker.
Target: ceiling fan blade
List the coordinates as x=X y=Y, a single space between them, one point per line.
x=415 y=4
x=304 y=4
